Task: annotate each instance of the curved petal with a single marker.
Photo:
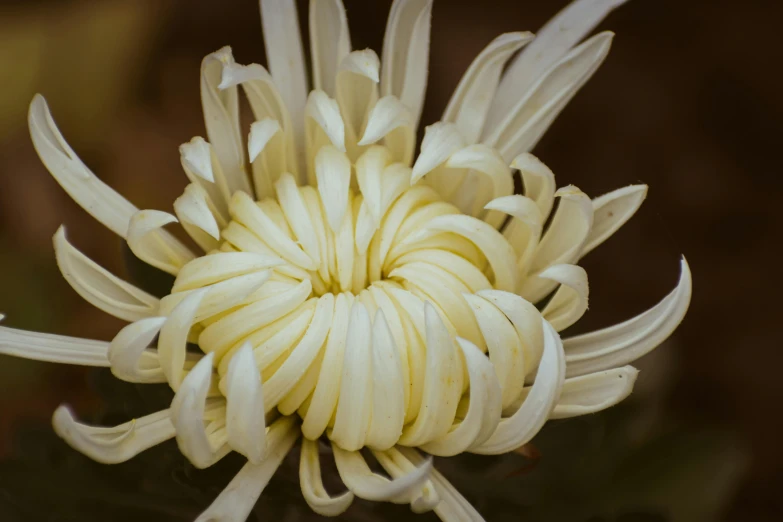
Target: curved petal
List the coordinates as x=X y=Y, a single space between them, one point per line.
x=173 y=339
x=235 y=503
x=312 y=486
x=398 y=466
x=245 y=424
x=522 y=426
x=196 y=217
x=570 y=301
x=215 y=268
x=99 y=287
x=391 y=120
x=116 y=444
x=626 y=342
x=153 y=245
x=611 y=211
x=470 y=103
x=405 y=57
x=127 y=350
x=388 y=410
x=441 y=140
x=90 y=193
x=594 y=392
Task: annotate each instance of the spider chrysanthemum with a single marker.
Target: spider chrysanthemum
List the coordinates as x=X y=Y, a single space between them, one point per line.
x=346 y=292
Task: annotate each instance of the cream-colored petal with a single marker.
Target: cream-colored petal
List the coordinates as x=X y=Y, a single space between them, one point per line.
x=155 y=246
x=388 y=410
x=470 y=103
x=406 y=46
x=196 y=217
x=524 y=125
x=222 y=266
x=297 y=215
x=221 y=118
x=312 y=486
x=364 y=483
x=388 y=114
x=453 y=506
x=625 y=342
x=369 y=174
x=333 y=171
x=398 y=466
x=90 y=193
x=173 y=339
x=245 y=423
x=539 y=181
x=485 y=161
x=570 y=301
x=522 y=426
x=357 y=93
x=53 y=348
x=112 y=445
x=441 y=140
x=594 y=392
x=330 y=41
x=355 y=404
x=524 y=231
x=126 y=352
x=611 y=211
x=484 y=408
x=99 y=287
x=285 y=58
x=267 y=151
x=200 y=164
x=235 y=503
x=552 y=42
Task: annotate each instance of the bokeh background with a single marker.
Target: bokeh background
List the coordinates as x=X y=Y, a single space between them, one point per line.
x=688 y=102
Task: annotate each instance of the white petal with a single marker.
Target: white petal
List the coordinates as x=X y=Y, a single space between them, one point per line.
x=441 y=140
x=388 y=411
x=539 y=181
x=98 y=286
x=53 y=348
x=398 y=466
x=355 y=404
x=453 y=506
x=196 y=218
x=187 y=415
x=594 y=392
x=524 y=231
x=312 y=486
x=221 y=117
x=285 y=58
x=245 y=423
x=235 y=503
x=486 y=162
x=330 y=41
x=522 y=426
x=172 y=343
x=196 y=156
x=115 y=444
x=214 y=268
x=570 y=301
x=357 y=93
x=627 y=341
x=260 y=134
x=484 y=408
x=153 y=245
x=333 y=171
x=297 y=215
x=388 y=114
x=406 y=48
x=364 y=483
x=611 y=211
x=325 y=112
x=469 y=105
x=442 y=384
x=553 y=41
x=524 y=125
x=127 y=349
x=369 y=174
x=90 y=193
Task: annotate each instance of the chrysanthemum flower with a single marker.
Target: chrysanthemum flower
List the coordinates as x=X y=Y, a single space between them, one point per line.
x=346 y=293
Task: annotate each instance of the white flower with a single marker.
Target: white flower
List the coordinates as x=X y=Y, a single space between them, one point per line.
x=347 y=293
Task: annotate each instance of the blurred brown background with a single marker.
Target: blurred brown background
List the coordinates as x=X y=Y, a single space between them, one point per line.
x=688 y=102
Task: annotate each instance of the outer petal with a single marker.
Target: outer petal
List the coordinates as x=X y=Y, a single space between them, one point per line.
x=312 y=486
x=330 y=41
x=611 y=211
x=53 y=348
x=594 y=392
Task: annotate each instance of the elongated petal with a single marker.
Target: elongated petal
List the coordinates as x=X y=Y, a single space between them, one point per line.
x=297 y=215
x=570 y=301
x=539 y=181
x=453 y=506
x=286 y=60
x=470 y=103
x=355 y=405
x=90 y=193
x=524 y=125
x=221 y=118
x=330 y=41
x=357 y=92
x=53 y=348
x=172 y=343
x=522 y=426
x=388 y=114
x=333 y=171
x=219 y=267
x=525 y=229
x=364 y=483
x=153 y=245
x=484 y=408
x=406 y=47
x=626 y=342
x=388 y=411
x=196 y=217
x=611 y=211
x=127 y=349
x=312 y=486
x=398 y=466
x=235 y=503
x=99 y=287
x=594 y=392
x=245 y=423
x=116 y=444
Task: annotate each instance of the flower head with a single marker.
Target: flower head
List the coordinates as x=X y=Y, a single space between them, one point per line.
x=346 y=292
